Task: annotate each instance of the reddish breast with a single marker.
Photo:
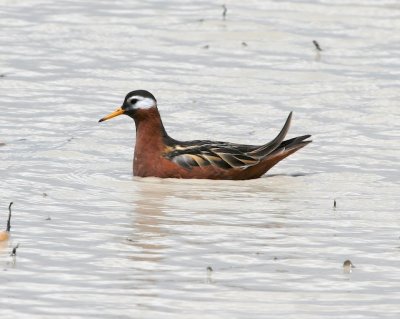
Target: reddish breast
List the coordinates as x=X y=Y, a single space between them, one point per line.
x=149 y=157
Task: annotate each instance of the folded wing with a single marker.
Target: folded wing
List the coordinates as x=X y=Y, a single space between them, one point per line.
x=229 y=155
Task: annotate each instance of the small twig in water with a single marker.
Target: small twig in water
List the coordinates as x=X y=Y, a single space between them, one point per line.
x=209 y=274
x=14 y=251
x=5 y=235
x=317 y=45
x=9 y=217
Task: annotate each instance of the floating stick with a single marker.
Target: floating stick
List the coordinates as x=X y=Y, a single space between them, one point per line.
x=5 y=235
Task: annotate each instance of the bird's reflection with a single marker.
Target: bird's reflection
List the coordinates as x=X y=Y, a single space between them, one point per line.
x=156 y=201
x=148 y=230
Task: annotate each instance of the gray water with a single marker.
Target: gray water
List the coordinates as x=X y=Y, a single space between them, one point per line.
x=94 y=242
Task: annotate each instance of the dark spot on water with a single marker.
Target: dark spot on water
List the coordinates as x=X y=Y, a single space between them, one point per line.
x=209 y=269
x=14 y=251
x=206 y=47
x=224 y=12
x=299 y=174
x=316 y=44
x=244 y=44
x=348 y=266
x=292 y=175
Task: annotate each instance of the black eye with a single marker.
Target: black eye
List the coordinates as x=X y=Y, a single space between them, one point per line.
x=133 y=101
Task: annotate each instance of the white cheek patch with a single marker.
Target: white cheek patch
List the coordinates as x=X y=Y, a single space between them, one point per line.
x=142 y=102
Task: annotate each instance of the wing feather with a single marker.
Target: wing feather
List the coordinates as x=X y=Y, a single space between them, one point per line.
x=202 y=155
x=221 y=154
x=185 y=161
x=266 y=149
x=235 y=162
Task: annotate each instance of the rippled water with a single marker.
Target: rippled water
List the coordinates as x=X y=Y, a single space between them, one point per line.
x=97 y=243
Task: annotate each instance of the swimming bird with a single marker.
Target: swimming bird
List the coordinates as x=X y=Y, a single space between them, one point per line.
x=4 y=235
x=159 y=155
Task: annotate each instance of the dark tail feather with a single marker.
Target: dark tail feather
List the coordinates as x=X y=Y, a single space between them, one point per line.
x=294 y=143
x=280 y=153
x=268 y=148
x=284 y=150
x=288 y=147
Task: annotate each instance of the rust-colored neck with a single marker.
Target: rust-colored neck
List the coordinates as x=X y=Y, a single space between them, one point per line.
x=150 y=137
x=149 y=127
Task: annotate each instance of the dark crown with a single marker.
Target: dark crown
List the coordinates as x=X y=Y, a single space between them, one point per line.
x=143 y=93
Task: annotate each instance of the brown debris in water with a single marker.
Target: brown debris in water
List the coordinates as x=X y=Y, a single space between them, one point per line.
x=348 y=266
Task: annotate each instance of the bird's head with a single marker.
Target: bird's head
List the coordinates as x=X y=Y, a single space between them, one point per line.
x=134 y=102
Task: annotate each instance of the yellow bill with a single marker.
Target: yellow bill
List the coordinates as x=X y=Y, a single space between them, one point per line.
x=117 y=112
